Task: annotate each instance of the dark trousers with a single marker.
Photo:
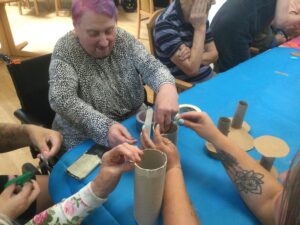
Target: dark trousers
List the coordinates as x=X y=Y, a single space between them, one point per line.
x=235 y=26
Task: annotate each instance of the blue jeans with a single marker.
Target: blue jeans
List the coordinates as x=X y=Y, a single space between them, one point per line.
x=235 y=26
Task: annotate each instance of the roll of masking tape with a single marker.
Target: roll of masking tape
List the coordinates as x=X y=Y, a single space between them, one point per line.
x=188 y=108
x=183 y=109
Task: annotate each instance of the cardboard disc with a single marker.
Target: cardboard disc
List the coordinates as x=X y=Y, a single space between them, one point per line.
x=242 y=138
x=245 y=125
x=270 y=146
x=295 y=54
x=211 y=150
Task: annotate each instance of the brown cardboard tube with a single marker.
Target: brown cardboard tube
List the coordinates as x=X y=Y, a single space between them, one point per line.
x=149 y=180
x=240 y=112
x=267 y=162
x=224 y=125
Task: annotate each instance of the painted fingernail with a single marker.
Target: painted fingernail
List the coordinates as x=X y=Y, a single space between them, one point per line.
x=180 y=121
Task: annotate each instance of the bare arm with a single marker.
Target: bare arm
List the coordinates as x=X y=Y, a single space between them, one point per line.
x=14 y=136
x=257 y=187
x=191 y=65
x=283 y=19
x=177 y=207
x=210 y=54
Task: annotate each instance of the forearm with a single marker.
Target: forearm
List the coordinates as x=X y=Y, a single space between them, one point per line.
x=256 y=186
x=13 y=136
x=177 y=207
x=283 y=19
x=197 y=51
x=74 y=208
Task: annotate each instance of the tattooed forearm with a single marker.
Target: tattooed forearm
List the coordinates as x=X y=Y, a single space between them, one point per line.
x=247 y=181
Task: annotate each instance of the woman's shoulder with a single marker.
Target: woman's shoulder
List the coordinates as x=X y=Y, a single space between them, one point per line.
x=67 y=46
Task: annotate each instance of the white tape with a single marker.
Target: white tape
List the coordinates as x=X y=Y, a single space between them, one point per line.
x=187 y=108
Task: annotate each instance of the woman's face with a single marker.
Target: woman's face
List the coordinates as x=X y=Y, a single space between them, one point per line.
x=96 y=34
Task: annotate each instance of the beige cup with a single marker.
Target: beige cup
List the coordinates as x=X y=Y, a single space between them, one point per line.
x=149 y=181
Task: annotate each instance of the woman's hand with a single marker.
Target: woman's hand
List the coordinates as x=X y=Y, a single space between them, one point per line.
x=163 y=144
x=114 y=162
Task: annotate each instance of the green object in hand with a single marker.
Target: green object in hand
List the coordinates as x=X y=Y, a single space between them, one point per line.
x=20 y=180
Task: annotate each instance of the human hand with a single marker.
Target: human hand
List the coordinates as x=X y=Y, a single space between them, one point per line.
x=199 y=14
x=201 y=123
x=118 y=134
x=184 y=52
x=163 y=144
x=114 y=163
x=47 y=141
x=166 y=106
x=15 y=200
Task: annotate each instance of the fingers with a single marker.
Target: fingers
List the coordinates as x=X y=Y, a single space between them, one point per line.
x=53 y=145
x=125 y=151
x=35 y=191
x=146 y=142
x=9 y=191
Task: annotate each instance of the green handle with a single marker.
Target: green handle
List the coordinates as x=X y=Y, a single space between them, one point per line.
x=20 y=180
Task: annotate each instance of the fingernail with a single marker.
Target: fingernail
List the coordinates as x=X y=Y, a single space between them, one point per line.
x=180 y=121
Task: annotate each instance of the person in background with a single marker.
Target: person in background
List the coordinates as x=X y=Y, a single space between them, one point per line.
x=183 y=40
x=271 y=202
x=97 y=73
x=21 y=203
x=234 y=37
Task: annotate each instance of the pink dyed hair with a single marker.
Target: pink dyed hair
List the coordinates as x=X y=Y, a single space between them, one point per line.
x=106 y=7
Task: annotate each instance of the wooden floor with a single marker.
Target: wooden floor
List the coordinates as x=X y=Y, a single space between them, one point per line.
x=41 y=33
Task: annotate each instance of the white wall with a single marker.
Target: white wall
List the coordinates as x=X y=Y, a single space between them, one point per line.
x=214 y=9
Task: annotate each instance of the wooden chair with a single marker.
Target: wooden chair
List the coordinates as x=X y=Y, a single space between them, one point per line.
x=180 y=84
x=145 y=9
x=35 y=5
x=58 y=9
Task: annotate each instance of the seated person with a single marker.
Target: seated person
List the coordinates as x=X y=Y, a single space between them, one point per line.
x=23 y=202
x=237 y=23
x=271 y=202
x=184 y=42
x=97 y=73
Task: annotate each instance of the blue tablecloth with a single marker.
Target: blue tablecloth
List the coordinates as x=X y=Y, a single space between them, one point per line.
x=269 y=83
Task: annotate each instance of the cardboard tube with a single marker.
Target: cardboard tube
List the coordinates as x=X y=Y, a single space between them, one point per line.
x=172 y=133
x=267 y=162
x=224 y=125
x=149 y=180
x=240 y=112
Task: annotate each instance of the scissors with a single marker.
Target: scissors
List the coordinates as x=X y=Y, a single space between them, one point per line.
x=28 y=176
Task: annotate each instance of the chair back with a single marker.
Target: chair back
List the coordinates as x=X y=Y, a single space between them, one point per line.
x=30 y=79
x=150 y=27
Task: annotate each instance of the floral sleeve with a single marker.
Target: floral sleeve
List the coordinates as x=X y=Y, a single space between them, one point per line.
x=70 y=211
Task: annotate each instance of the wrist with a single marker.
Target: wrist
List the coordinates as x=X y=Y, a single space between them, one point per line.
x=98 y=190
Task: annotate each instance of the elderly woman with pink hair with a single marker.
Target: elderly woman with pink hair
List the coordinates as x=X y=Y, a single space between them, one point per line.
x=97 y=74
